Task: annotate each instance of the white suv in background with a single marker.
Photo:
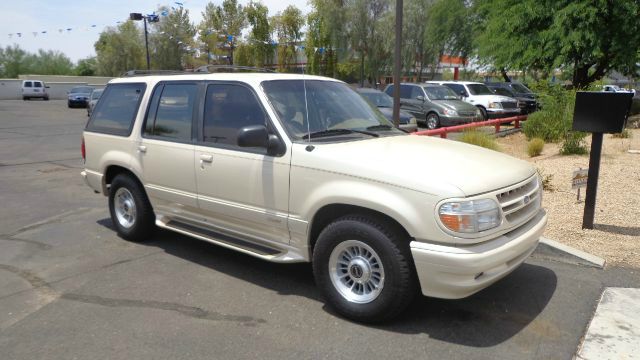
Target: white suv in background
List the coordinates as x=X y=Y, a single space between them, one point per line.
x=491 y=105
x=34 y=89
x=297 y=168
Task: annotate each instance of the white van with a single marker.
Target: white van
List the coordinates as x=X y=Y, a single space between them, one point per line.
x=34 y=89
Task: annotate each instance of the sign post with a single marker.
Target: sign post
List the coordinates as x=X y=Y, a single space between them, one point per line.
x=598 y=113
x=579 y=180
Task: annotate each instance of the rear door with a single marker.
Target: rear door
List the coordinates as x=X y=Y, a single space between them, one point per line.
x=166 y=150
x=243 y=192
x=27 y=88
x=410 y=101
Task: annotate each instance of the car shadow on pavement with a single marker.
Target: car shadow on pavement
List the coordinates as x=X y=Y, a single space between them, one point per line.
x=485 y=319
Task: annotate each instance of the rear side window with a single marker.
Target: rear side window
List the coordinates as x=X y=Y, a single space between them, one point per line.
x=389 y=90
x=171 y=113
x=37 y=84
x=28 y=84
x=405 y=91
x=115 y=113
x=457 y=88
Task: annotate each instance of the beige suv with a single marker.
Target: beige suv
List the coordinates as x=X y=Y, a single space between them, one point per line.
x=294 y=168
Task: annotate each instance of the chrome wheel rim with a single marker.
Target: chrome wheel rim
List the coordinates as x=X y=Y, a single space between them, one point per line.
x=432 y=122
x=125 y=208
x=356 y=271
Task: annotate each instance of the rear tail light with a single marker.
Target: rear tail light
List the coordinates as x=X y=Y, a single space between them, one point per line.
x=83 y=150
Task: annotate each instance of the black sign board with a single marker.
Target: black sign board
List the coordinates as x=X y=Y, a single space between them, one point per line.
x=601 y=112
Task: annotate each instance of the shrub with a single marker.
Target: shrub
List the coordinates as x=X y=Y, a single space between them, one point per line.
x=535 y=146
x=547 y=184
x=552 y=122
x=479 y=138
x=574 y=144
x=635 y=106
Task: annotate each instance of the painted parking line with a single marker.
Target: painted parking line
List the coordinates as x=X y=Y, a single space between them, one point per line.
x=614 y=332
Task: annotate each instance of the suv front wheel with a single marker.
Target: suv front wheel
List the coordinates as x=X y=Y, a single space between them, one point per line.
x=363 y=267
x=131 y=212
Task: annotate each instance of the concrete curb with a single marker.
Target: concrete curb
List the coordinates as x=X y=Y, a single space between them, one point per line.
x=553 y=250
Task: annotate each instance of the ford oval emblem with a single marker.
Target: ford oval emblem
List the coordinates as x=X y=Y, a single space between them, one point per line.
x=526 y=199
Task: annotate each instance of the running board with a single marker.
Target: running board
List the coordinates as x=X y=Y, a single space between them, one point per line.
x=250 y=248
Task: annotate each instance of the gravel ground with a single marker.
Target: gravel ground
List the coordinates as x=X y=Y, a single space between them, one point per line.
x=616 y=236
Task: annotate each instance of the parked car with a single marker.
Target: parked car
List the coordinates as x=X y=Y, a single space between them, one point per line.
x=384 y=103
x=34 y=89
x=616 y=88
x=479 y=95
x=435 y=105
x=79 y=96
x=527 y=104
x=298 y=168
x=93 y=100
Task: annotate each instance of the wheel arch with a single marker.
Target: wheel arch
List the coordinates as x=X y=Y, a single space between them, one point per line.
x=111 y=172
x=331 y=212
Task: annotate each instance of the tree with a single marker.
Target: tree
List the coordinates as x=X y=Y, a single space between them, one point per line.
x=171 y=41
x=224 y=23
x=325 y=38
x=260 y=34
x=588 y=37
x=86 y=67
x=120 y=49
x=49 y=62
x=288 y=28
x=416 y=52
x=12 y=59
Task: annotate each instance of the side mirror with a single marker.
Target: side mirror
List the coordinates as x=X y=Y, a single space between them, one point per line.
x=47 y=87
x=463 y=93
x=420 y=97
x=258 y=136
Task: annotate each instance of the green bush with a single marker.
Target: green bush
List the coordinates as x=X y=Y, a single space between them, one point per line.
x=635 y=106
x=552 y=122
x=574 y=144
x=479 y=138
x=535 y=146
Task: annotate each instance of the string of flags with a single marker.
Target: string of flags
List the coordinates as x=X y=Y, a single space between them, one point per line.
x=67 y=30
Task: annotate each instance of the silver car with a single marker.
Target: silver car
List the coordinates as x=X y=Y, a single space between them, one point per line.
x=93 y=100
x=435 y=105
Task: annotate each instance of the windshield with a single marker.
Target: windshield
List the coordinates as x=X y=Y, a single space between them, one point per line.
x=378 y=99
x=520 y=88
x=440 y=93
x=329 y=106
x=82 y=90
x=504 y=92
x=96 y=94
x=479 y=89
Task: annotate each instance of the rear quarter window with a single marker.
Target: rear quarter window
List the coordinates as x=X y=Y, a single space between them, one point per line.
x=116 y=111
x=27 y=84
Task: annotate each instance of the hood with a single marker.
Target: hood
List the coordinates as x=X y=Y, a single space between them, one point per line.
x=441 y=167
x=457 y=105
x=388 y=113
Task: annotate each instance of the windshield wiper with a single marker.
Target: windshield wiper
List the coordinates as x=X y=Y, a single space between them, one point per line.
x=380 y=127
x=332 y=132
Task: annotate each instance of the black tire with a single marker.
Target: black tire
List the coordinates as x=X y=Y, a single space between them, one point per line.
x=69 y=105
x=143 y=223
x=46 y=98
x=485 y=116
x=432 y=121
x=389 y=244
x=24 y=98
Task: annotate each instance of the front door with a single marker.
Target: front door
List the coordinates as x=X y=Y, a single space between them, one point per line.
x=242 y=191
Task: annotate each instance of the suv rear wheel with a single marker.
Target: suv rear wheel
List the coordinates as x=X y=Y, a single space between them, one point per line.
x=363 y=267
x=131 y=212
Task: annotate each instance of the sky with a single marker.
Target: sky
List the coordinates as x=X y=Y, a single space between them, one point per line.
x=56 y=16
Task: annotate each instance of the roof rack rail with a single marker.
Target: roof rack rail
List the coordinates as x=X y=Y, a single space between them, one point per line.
x=154 y=72
x=230 y=68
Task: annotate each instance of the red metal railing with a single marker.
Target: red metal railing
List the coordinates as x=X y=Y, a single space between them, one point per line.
x=496 y=122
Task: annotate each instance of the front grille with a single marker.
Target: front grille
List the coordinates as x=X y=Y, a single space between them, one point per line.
x=521 y=202
x=467 y=113
x=509 y=105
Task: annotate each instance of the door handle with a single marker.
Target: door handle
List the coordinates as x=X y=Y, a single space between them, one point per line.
x=142 y=149
x=206 y=158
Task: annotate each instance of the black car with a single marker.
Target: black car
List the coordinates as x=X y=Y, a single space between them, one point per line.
x=79 y=96
x=526 y=98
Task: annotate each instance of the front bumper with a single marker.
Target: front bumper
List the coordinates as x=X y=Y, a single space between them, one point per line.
x=456 y=272
x=77 y=102
x=457 y=120
x=501 y=113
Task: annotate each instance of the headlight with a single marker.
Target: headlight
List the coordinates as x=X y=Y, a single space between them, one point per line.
x=450 y=112
x=495 y=105
x=470 y=216
x=413 y=121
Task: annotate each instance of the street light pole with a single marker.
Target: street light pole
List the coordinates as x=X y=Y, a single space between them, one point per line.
x=397 y=65
x=146 y=42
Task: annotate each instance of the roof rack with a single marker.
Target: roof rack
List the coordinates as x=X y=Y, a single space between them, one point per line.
x=154 y=72
x=230 y=68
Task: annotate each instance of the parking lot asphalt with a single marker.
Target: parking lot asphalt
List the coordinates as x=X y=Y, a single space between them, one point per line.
x=70 y=288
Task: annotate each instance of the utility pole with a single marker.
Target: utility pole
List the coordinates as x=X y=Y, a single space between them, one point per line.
x=397 y=65
x=146 y=43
